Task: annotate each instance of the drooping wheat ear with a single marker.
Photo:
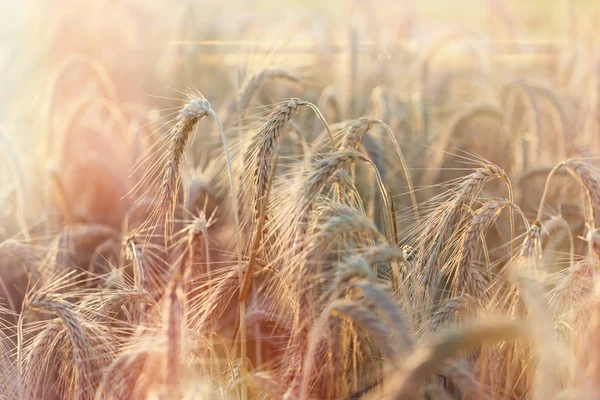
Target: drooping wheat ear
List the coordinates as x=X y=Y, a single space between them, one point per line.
x=355 y=279
x=354 y=137
x=323 y=171
x=180 y=138
x=384 y=302
x=590 y=184
x=362 y=317
x=470 y=188
x=261 y=159
x=43 y=345
x=343 y=179
x=356 y=132
x=466 y=279
x=387 y=254
x=352 y=269
x=82 y=355
x=531 y=244
x=448 y=311
x=265 y=147
x=425 y=359
x=261 y=162
x=235 y=211
x=435 y=233
x=237 y=108
x=571 y=288
x=345 y=221
x=175 y=327
x=48 y=354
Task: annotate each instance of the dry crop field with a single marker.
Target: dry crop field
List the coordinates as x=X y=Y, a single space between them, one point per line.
x=299 y=199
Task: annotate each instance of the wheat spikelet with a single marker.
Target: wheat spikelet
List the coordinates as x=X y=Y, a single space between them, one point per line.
x=337 y=287
x=356 y=132
x=264 y=149
x=531 y=245
x=323 y=171
x=49 y=366
x=385 y=303
x=353 y=139
x=589 y=182
x=466 y=279
x=437 y=227
x=358 y=314
x=344 y=222
x=42 y=345
x=448 y=311
x=81 y=347
x=180 y=138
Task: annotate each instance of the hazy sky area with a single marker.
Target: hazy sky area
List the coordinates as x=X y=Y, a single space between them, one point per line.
x=537 y=20
x=12 y=16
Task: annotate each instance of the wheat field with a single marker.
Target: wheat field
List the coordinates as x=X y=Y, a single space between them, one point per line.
x=299 y=200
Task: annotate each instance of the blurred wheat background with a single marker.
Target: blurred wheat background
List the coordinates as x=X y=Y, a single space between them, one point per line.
x=299 y=199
